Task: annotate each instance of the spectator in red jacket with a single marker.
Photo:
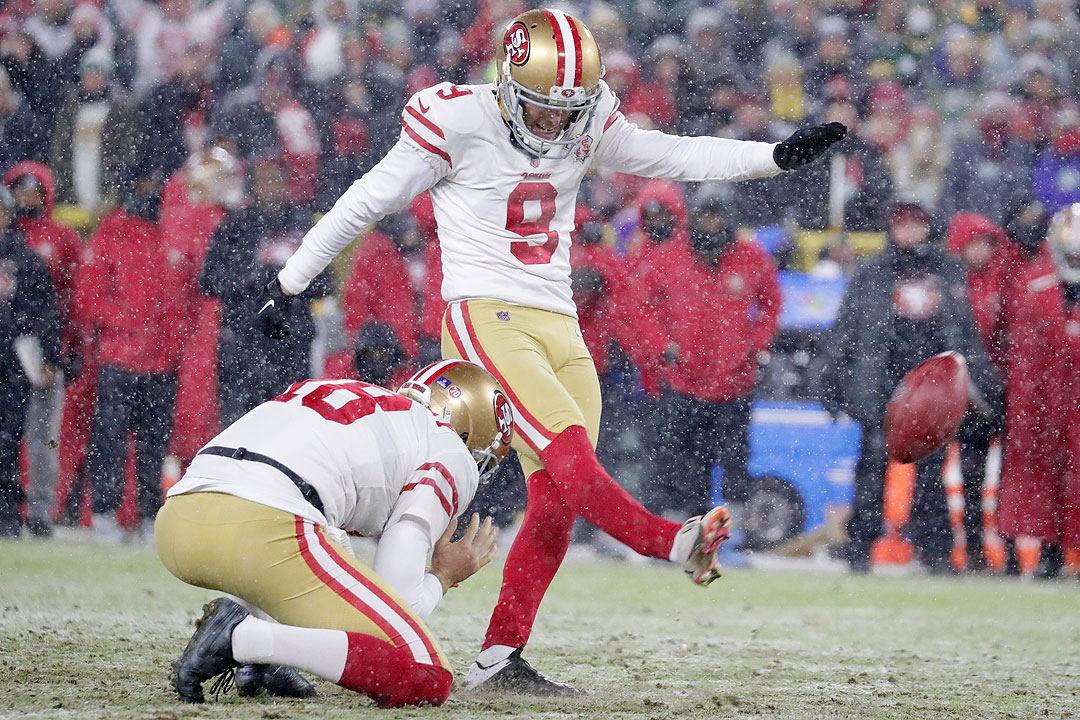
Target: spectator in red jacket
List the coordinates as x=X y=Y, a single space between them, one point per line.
x=661 y=209
x=394 y=292
x=608 y=314
x=131 y=287
x=31 y=185
x=1040 y=478
x=193 y=204
x=990 y=259
x=720 y=309
x=386 y=281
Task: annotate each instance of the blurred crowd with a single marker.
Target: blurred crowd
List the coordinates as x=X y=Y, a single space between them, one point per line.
x=192 y=144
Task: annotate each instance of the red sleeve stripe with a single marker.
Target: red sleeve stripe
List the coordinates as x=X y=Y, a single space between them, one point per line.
x=441 y=470
x=430 y=482
x=424 y=121
x=425 y=144
x=611 y=119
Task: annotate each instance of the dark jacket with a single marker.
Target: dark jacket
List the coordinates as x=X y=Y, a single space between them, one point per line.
x=27 y=304
x=57 y=244
x=867 y=179
x=246 y=251
x=870 y=350
x=117 y=149
x=23 y=136
x=127 y=293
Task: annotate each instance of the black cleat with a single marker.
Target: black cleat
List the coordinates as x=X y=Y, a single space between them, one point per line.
x=209 y=651
x=277 y=680
x=517 y=675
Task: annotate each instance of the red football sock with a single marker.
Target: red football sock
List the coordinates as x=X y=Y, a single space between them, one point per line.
x=588 y=489
x=535 y=556
x=390 y=676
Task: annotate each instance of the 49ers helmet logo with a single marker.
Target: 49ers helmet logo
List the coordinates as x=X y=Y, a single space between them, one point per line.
x=504 y=418
x=516 y=42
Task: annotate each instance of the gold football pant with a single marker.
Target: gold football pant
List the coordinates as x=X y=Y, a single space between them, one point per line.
x=287 y=567
x=541 y=360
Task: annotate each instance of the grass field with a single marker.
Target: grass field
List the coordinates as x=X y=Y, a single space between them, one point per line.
x=88 y=632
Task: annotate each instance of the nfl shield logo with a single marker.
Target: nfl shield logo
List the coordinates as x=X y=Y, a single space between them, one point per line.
x=503 y=315
x=443 y=382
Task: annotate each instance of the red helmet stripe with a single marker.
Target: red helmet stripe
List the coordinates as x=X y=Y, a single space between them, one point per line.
x=577 y=50
x=560 y=47
x=424 y=377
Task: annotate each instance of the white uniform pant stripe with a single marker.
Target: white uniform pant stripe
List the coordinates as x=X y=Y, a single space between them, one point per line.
x=360 y=592
x=534 y=436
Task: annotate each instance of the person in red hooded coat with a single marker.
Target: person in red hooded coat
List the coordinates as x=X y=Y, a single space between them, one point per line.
x=608 y=317
x=32 y=186
x=193 y=204
x=662 y=229
x=990 y=259
x=130 y=289
x=1040 y=479
x=721 y=308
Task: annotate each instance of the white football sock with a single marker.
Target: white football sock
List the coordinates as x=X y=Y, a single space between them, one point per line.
x=494 y=654
x=488 y=663
x=317 y=650
x=684 y=541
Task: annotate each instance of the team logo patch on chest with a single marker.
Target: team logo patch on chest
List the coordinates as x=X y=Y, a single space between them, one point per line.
x=583 y=148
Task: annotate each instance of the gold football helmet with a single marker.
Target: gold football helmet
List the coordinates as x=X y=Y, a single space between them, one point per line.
x=1063 y=237
x=550 y=59
x=473 y=402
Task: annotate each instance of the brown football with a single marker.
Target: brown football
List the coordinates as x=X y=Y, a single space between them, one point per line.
x=927 y=407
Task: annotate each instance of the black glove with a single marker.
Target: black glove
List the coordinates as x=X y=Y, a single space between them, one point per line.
x=273 y=308
x=806 y=144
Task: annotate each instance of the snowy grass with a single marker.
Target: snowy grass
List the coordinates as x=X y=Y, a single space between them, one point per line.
x=88 y=632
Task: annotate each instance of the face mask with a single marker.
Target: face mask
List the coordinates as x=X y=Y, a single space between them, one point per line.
x=590 y=233
x=1028 y=235
x=659 y=232
x=711 y=244
x=29 y=211
x=147 y=207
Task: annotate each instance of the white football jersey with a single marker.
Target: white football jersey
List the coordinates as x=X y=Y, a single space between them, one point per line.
x=372 y=455
x=504 y=216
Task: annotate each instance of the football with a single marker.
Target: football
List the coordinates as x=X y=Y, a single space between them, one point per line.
x=927 y=407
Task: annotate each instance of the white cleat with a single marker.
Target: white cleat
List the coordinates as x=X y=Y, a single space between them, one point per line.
x=709 y=531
